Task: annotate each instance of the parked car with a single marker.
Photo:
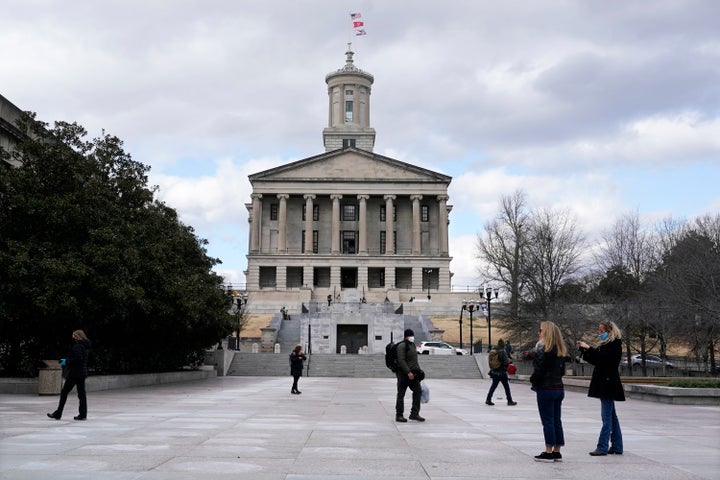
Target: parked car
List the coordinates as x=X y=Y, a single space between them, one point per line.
x=650 y=361
x=439 y=348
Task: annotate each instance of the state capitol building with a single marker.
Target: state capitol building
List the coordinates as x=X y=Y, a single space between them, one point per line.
x=348 y=234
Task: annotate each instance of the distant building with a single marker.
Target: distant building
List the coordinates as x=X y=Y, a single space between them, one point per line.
x=349 y=224
x=10 y=134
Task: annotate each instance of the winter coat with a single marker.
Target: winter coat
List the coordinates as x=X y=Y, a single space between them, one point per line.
x=296 y=363
x=78 y=359
x=548 y=370
x=605 y=382
x=504 y=362
x=407 y=358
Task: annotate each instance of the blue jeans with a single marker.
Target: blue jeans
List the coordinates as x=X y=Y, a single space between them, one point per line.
x=610 y=431
x=549 y=406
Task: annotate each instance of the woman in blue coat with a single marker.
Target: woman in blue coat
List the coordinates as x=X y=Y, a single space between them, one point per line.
x=605 y=385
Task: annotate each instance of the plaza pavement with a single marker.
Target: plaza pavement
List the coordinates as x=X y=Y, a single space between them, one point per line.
x=341 y=429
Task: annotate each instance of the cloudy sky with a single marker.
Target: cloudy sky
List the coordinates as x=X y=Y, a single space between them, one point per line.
x=601 y=107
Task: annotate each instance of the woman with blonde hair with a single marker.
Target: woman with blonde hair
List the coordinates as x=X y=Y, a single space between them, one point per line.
x=605 y=385
x=548 y=369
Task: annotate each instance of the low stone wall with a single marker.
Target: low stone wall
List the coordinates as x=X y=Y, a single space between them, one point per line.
x=98 y=383
x=655 y=393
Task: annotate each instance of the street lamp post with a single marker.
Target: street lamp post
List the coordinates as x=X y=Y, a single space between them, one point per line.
x=460 y=323
x=487 y=294
x=471 y=306
x=428 y=271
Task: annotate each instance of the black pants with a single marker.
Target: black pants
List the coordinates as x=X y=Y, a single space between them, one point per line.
x=499 y=378
x=69 y=384
x=403 y=383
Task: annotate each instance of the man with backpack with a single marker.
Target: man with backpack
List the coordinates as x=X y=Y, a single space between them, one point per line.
x=409 y=375
x=498 y=361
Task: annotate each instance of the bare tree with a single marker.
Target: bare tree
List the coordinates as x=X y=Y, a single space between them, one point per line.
x=690 y=276
x=628 y=253
x=502 y=248
x=552 y=258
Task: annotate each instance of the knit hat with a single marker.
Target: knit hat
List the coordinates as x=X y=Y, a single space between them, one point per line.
x=409 y=333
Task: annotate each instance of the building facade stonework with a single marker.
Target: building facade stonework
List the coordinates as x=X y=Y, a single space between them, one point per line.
x=349 y=223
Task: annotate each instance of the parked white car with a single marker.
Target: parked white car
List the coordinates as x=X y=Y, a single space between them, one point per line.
x=650 y=361
x=439 y=348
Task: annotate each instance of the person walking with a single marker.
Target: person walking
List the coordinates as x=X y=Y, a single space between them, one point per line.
x=548 y=368
x=77 y=373
x=296 y=367
x=409 y=375
x=499 y=374
x=605 y=384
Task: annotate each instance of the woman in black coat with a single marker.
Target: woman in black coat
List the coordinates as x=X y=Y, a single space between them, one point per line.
x=296 y=367
x=77 y=373
x=605 y=385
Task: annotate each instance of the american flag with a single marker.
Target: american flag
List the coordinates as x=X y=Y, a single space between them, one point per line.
x=355 y=16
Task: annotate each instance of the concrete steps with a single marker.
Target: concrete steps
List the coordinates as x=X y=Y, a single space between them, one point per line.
x=357 y=366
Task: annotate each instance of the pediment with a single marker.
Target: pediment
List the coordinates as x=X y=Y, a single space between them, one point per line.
x=350 y=165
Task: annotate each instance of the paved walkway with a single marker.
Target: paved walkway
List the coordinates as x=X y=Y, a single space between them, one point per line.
x=341 y=429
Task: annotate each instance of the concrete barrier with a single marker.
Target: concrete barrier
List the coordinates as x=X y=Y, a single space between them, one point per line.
x=25 y=386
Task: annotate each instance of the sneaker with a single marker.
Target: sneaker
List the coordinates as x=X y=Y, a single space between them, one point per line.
x=557 y=456
x=597 y=453
x=488 y=402
x=80 y=418
x=400 y=418
x=545 y=457
x=511 y=403
x=417 y=418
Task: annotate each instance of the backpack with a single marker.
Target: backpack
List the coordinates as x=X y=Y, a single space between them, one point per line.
x=494 y=360
x=391 y=356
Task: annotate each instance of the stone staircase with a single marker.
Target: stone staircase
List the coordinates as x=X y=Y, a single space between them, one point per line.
x=358 y=366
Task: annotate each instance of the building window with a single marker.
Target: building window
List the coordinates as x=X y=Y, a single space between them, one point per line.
x=348 y=241
x=349 y=212
x=348 y=142
x=348 y=111
x=348 y=92
x=316 y=212
x=273 y=211
x=382 y=213
x=424 y=213
x=314 y=241
x=383 y=242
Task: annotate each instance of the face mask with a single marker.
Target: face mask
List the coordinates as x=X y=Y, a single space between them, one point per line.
x=603 y=336
x=411 y=339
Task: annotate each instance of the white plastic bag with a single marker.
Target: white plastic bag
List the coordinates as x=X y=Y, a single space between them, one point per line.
x=424 y=393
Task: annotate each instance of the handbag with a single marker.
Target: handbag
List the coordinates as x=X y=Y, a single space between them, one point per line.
x=512 y=369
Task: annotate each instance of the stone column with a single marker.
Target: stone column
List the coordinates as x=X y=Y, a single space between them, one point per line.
x=443 y=224
x=363 y=223
x=416 y=223
x=389 y=240
x=309 y=223
x=256 y=222
x=282 y=222
x=335 y=241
